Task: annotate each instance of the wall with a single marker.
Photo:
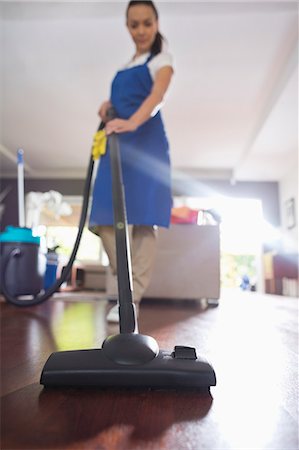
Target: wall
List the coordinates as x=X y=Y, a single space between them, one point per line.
x=288 y=189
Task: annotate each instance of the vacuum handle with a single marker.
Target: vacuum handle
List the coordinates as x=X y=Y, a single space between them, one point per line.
x=111 y=114
x=127 y=317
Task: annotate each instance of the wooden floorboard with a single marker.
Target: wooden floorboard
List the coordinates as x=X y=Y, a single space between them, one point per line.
x=251 y=340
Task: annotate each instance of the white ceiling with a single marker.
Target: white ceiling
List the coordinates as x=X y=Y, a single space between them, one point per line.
x=231 y=112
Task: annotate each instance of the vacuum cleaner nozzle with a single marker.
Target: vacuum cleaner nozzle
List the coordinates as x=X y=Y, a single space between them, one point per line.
x=167 y=370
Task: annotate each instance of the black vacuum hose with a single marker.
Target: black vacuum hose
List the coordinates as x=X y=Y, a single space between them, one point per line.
x=16 y=253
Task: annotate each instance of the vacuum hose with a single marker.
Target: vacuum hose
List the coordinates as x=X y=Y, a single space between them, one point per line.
x=16 y=253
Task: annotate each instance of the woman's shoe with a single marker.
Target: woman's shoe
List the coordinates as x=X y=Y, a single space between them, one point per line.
x=113 y=315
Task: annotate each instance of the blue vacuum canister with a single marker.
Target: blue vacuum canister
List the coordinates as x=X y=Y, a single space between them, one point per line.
x=23 y=264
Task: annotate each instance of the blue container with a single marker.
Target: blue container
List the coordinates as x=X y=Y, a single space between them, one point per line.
x=51 y=270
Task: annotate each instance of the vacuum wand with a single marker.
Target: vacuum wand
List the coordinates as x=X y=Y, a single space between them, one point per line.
x=127 y=312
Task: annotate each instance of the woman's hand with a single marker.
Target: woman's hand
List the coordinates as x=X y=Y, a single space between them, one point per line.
x=120 y=126
x=103 y=110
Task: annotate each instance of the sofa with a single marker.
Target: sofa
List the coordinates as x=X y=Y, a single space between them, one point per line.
x=187 y=264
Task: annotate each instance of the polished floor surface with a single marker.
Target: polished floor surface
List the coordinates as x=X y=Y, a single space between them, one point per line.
x=251 y=340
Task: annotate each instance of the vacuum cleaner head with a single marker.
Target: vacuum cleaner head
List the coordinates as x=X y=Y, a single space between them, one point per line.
x=167 y=370
x=129 y=360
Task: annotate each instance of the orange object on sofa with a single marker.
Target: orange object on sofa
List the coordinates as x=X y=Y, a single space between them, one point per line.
x=184 y=214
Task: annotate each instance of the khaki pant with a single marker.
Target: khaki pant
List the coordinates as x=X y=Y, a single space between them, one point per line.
x=143 y=240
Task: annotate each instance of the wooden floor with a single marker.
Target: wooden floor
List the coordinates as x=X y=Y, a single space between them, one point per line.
x=251 y=340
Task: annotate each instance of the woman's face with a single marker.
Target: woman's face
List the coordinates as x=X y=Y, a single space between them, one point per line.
x=143 y=27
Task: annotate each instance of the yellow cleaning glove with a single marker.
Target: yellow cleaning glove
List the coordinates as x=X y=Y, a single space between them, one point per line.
x=99 y=144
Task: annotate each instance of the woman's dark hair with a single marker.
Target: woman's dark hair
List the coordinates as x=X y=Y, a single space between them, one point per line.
x=158 y=42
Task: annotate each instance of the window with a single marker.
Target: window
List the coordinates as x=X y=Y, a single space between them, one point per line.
x=62 y=231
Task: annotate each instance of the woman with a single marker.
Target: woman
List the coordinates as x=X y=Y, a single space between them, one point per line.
x=137 y=93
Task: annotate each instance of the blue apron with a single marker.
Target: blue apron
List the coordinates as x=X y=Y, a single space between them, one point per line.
x=144 y=159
